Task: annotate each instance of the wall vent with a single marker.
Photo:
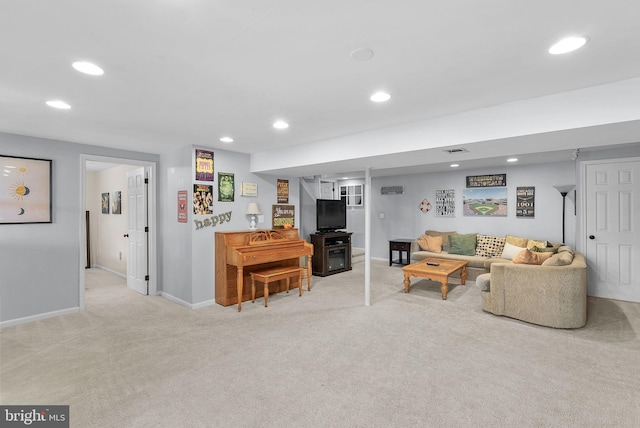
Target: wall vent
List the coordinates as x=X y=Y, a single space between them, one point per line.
x=456 y=150
x=392 y=190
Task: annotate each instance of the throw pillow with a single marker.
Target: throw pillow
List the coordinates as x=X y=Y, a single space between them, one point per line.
x=489 y=246
x=544 y=250
x=510 y=251
x=445 y=237
x=430 y=243
x=527 y=257
x=464 y=244
x=518 y=242
x=532 y=243
x=560 y=259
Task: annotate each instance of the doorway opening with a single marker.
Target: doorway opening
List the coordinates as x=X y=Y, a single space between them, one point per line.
x=91 y=162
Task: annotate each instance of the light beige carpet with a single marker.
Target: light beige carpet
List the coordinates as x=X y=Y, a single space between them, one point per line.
x=325 y=360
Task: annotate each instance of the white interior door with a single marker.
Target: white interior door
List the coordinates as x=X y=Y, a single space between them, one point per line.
x=326 y=190
x=137 y=260
x=613 y=229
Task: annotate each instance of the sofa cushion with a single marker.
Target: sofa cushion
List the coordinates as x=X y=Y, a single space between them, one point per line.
x=489 y=246
x=544 y=249
x=510 y=251
x=567 y=248
x=528 y=257
x=430 y=243
x=560 y=259
x=518 y=242
x=484 y=281
x=463 y=244
x=444 y=235
x=533 y=243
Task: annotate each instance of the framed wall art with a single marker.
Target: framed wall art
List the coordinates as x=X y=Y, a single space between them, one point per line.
x=25 y=190
x=105 y=203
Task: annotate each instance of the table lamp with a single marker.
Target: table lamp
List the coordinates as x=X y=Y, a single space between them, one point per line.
x=253 y=210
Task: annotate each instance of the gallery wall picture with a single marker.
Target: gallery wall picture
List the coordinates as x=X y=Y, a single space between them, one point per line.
x=282 y=215
x=105 y=203
x=202 y=199
x=485 y=201
x=249 y=189
x=445 y=203
x=117 y=203
x=204 y=165
x=25 y=190
x=491 y=180
x=283 y=191
x=183 y=200
x=526 y=201
x=226 y=187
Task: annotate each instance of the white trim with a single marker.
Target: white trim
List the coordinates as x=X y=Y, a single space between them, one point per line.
x=185 y=303
x=38 y=317
x=109 y=270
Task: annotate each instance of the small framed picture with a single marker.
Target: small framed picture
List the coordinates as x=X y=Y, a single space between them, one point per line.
x=25 y=190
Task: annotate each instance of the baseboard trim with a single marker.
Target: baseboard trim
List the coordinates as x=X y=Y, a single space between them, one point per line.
x=38 y=317
x=109 y=270
x=181 y=302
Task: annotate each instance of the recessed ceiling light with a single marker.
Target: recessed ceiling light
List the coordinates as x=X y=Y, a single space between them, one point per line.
x=226 y=139
x=58 y=104
x=280 y=124
x=512 y=160
x=363 y=54
x=568 y=44
x=454 y=165
x=88 y=68
x=380 y=97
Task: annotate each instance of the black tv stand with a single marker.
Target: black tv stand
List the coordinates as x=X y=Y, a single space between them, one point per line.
x=332 y=252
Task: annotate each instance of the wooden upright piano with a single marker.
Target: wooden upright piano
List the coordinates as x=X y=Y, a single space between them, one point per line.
x=240 y=253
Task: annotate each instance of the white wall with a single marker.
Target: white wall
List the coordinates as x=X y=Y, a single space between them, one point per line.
x=403 y=219
x=40 y=263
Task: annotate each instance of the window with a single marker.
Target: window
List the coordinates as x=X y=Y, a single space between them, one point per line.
x=352 y=194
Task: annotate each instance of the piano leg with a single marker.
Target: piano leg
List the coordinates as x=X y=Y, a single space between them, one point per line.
x=239 y=281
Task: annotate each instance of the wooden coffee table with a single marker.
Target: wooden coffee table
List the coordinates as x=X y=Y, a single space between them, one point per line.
x=439 y=273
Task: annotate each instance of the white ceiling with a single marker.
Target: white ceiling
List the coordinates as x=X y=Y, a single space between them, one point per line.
x=187 y=72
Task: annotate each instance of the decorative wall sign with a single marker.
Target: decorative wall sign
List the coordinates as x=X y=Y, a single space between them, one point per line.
x=282 y=214
x=105 y=203
x=183 y=201
x=392 y=190
x=445 y=203
x=25 y=190
x=249 y=189
x=425 y=206
x=485 y=202
x=202 y=199
x=204 y=165
x=226 y=187
x=213 y=220
x=116 y=208
x=525 y=201
x=283 y=191
x=494 y=180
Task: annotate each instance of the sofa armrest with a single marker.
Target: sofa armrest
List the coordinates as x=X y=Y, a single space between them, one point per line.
x=415 y=246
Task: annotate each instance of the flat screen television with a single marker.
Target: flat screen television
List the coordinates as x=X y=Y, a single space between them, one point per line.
x=331 y=215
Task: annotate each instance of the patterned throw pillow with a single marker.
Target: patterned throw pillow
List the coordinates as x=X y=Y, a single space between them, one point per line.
x=489 y=246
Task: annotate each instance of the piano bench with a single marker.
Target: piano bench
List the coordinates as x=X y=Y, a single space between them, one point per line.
x=275 y=274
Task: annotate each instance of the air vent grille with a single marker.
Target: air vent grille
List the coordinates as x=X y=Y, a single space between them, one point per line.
x=456 y=150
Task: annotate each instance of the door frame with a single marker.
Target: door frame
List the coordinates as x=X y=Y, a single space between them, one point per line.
x=151 y=212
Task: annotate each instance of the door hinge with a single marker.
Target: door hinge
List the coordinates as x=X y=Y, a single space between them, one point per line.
x=146 y=181
x=146 y=277
x=146 y=228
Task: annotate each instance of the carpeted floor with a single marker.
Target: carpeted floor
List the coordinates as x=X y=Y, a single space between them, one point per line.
x=325 y=360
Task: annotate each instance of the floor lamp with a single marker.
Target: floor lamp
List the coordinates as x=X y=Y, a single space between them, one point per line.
x=563 y=191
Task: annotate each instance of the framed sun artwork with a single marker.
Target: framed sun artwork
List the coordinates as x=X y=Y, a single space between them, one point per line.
x=25 y=190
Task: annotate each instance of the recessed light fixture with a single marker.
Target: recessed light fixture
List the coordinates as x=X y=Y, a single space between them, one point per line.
x=88 y=68
x=226 y=139
x=280 y=124
x=512 y=160
x=454 y=165
x=363 y=54
x=380 y=97
x=58 y=104
x=568 y=44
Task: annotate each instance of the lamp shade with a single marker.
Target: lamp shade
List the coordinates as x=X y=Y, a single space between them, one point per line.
x=564 y=189
x=252 y=208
